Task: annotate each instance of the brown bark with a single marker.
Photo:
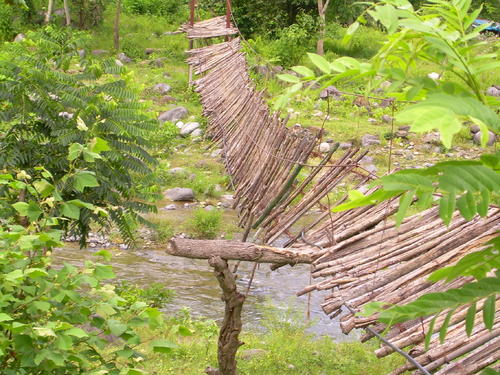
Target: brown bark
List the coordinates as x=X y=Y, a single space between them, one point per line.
x=234 y=250
x=50 y=7
x=231 y=326
x=67 y=12
x=117 y=25
x=322 y=8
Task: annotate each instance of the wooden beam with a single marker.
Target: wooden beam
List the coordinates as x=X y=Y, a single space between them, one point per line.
x=235 y=250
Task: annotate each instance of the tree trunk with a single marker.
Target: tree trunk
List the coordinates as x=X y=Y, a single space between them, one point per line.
x=66 y=13
x=117 y=25
x=231 y=326
x=322 y=8
x=50 y=6
x=234 y=250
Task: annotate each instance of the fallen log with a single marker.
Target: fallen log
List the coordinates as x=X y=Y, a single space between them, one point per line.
x=235 y=250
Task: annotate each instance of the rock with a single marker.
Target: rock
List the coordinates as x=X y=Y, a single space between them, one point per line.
x=189 y=127
x=369 y=140
x=177 y=171
x=66 y=115
x=432 y=138
x=197 y=133
x=324 y=147
x=216 y=153
x=491 y=138
x=252 y=353
x=493 y=91
x=124 y=58
x=405 y=128
x=370 y=168
x=401 y=134
x=100 y=52
x=19 y=37
x=474 y=129
x=227 y=200
x=179 y=124
x=386 y=103
x=158 y=63
x=179 y=194
x=82 y=53
x=209 y=208
x=387 y=119
x=291 y=367
x=173 y=115
x=366 y=160
x=330 y=91
x=345 y=145
x=162 y=88
x=149 y=51
x=372 y=120
x=118 y=63
x=170 y=207
x=385 y=85
x=434 y=76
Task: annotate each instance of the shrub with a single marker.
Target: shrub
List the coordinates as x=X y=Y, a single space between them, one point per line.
x=365 y=44
x=154 y=295
x=206 y=224
x=165 y=8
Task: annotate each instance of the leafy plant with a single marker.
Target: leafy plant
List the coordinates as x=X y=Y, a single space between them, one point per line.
x=154 y=295
x=54 y=320
x=87 y=130
x=439 y=33
x=206 y=224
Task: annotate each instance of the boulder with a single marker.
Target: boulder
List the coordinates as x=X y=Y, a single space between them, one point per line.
x=118 y=63
x=474 y=129
x=330 y=91
x=179 y=124
x=173 y=115
x=369 y=140
x=188 y=128
x=197 y=133
x=124 y=58
x=169 y=207
x=177 y=171
x=179 y=194
x=227 y=200
x=433 y=138
x=387 y=119
x=324 y=147
x=493 y=91
x=491 y=139
x=162 y=88
x=158 y=63
x=216 y=153
x=19 y=37
x=405 y=128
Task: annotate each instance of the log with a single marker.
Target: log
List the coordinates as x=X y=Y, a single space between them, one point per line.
x=235 y=250
x=231 y=326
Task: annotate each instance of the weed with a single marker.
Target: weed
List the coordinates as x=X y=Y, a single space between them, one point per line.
x=164 y=230
x=154 y=295
x=206 y=224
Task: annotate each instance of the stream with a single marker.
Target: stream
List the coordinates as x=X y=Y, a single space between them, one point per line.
x=197 y=289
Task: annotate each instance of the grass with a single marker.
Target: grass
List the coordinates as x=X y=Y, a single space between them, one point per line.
x=284 y=348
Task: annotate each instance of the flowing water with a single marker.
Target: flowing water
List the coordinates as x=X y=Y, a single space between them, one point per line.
x=196 y=288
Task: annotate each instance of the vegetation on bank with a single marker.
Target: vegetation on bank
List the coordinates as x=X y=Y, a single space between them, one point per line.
x=106 y=163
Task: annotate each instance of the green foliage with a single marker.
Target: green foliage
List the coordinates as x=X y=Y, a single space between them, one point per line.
x=55 y=320
x=364 y=44
x=290 y=43
x=166 y=8
x=206 y=224
x=469 y=186
x=154 y=295
x=92 y=114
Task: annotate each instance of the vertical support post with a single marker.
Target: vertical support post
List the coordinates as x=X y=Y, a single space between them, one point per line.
x=228 y=17
x=192 y=6
x=231 y=326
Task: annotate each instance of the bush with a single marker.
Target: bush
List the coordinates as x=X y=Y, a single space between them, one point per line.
x=206 y=224
x=172 y=9
x=365 y=43
x=154 y=295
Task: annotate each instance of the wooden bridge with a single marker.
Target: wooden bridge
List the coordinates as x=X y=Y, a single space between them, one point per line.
x=359 y=256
